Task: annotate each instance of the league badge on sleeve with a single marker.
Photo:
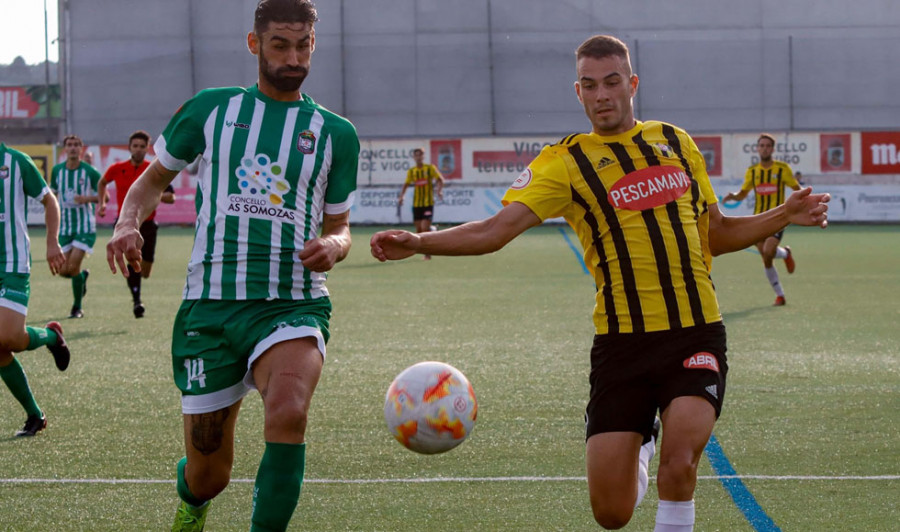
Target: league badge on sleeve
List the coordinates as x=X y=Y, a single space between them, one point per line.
x=306 y=142
x=522 y=181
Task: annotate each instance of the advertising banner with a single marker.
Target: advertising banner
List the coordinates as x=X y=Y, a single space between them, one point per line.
x=881 y=152
x=479 y=170
x=34 y=101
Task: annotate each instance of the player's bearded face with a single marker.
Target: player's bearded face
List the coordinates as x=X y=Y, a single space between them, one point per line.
x=286 y=78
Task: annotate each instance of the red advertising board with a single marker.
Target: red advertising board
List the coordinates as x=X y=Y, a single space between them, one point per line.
x=881 y=152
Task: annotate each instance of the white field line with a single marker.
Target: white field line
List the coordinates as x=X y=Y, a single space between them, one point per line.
x=428 y=480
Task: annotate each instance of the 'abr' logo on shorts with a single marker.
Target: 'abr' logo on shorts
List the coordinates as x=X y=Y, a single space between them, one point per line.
x=702 y=360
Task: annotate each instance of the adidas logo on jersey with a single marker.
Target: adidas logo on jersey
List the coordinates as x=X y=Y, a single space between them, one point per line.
x=713 y=390
x=604 y=162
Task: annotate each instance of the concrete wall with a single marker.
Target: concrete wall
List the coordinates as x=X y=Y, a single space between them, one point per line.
x=406 y=68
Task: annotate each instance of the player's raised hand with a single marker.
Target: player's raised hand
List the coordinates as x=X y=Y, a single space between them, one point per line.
x=124 y=249
x=805 y=208
x=394 y=244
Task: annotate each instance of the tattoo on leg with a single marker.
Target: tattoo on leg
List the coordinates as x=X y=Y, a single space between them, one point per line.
x=207 y=431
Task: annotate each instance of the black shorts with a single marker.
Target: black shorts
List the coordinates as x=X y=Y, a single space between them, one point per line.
x=778 y=235
x=148 y=233
x=634 y=375
x=423 y=213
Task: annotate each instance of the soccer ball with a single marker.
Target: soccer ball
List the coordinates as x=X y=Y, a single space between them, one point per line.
x=430 y=407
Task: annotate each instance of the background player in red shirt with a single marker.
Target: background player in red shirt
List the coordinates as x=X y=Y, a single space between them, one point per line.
x=123 y=174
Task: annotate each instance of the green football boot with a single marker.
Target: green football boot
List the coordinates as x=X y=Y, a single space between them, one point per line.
x=190 y=518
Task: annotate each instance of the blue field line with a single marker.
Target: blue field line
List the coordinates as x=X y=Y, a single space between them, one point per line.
x=743 y=499
x=575 y=250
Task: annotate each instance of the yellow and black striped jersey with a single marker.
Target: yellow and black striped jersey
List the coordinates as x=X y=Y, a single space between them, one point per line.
x=638 y=202
x=423 y=177
x=768 y=184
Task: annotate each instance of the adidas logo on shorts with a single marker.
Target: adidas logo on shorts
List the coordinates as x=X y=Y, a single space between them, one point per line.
x=713 y=390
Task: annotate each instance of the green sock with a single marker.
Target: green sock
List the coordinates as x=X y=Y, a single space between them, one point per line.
x=78 y=288
x=278 y=483
x=181 y=486
x=14 y=377
x=39 y=337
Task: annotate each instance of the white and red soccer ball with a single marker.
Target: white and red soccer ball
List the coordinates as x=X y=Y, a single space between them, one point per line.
x=430 y=407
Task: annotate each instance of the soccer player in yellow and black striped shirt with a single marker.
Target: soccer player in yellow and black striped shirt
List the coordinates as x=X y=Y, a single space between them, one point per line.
x=767 y=179
x=638 y=196
x=426 y=181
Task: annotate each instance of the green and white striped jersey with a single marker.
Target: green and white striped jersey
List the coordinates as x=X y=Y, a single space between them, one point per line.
x=19 y=177
x=75 y=219
x=268 y=171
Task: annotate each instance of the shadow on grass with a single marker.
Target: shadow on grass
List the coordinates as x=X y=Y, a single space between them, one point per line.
x=737 y=314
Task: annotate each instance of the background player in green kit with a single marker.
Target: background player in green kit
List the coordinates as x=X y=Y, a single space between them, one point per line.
x=19 y=177
x=276 y=183
x=75 y=184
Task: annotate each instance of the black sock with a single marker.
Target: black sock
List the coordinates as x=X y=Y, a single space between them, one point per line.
x=134 y=284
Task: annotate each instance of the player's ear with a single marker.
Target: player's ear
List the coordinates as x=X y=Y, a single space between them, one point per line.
x=253 y=43
x=633 y=80
x=578 y=92
x=312 y=40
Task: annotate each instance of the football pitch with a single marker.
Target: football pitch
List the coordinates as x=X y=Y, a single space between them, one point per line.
x=809 y=435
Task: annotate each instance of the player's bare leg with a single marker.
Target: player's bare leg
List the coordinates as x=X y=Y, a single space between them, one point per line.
x=72 y=270
x=687 y=425
x=612 y=474
x=286 y=376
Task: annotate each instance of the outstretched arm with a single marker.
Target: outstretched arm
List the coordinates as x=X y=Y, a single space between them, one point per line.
x=734 y=233
x=473 y=238
x=736 y=196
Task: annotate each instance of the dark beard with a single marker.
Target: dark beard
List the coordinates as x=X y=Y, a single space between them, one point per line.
x=278 y=80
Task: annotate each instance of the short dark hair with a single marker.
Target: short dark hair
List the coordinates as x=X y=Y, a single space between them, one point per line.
x=283 y=11
x=766 y=136
x=139 y=134
x=600 y=46
x=67 y=138
x=418 y=150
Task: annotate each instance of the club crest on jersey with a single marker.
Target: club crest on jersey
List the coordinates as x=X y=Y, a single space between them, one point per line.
x=4 y=172
x=702 y=360
x=664 y=149
x=306 y=142
x=522 y=181
x=263 y=187
x=648 y=188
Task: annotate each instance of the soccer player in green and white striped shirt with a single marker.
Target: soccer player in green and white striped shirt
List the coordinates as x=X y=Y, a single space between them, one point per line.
x=75 y=184
x=19 y=180
x=276 y=179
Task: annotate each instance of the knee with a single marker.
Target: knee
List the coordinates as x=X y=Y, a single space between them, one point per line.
x=612 y=518
x=677 y=473
x=12 y=344
x=207 y=480
x=287 y=416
